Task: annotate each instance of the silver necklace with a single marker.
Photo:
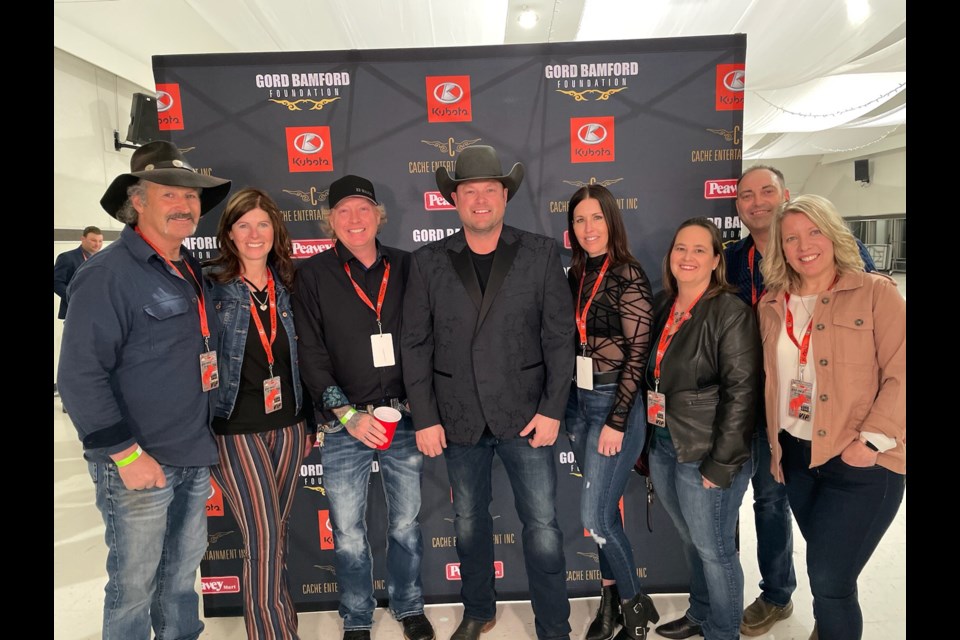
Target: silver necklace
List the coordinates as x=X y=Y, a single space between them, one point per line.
x=266 y=295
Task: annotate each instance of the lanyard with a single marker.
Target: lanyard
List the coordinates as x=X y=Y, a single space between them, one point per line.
x=204 y=328
x=380 y=296
x=582 y=317
x=267 y=345
x=754 y=296
x=666 y=336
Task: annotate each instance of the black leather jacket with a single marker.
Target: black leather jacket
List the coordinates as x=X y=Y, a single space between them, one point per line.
x=711 y=377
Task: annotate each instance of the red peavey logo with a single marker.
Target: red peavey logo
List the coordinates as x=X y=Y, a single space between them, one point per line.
x=326 y=529
x=214 y=585
x=713 y=189
x=448 y=99
x=730 y=86
x=309 y=149
x=566 y=240
x=453 y=570
x=591 y=139
x=305 y=248
x=169 y=107
x=434 y=201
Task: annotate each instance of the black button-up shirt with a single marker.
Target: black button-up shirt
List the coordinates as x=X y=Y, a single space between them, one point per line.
x=334 y=326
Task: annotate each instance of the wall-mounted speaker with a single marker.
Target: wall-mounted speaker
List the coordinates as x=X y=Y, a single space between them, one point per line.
x=861 y=170
x=144 y=125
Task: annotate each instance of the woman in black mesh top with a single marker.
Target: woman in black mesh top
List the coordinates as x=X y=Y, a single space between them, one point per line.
x=605 y=414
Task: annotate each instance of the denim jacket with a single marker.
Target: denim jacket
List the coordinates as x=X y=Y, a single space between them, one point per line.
x=232 y=302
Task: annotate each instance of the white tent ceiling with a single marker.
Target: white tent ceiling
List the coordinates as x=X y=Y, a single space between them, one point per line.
x=823 y=77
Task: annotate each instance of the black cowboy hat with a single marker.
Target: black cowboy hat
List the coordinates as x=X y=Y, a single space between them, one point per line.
x=480 y=162
x=161 y=162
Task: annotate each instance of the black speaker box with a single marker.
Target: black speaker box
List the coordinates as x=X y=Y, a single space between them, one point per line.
x=144 y=126
x=861 y=170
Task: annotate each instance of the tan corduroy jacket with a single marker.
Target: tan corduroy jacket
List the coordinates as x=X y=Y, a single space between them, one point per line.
x=860 y=341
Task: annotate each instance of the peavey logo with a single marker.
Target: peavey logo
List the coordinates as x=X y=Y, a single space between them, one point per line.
x=434 y=201
x=453 y=570
x=729 y=87
x=213 y=585
x=326 y=529
x=592 y=139
x=309 y=149
x=169 y=107
x=303 y=248
x=713 y=189
x=448 y=99
x=566 y=240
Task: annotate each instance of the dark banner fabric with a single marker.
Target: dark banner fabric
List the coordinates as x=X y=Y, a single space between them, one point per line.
x=659 y=122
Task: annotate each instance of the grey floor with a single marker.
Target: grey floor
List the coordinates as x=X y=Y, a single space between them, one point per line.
x=79 y=556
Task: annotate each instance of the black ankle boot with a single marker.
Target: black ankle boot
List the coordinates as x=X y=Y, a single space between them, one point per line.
x=608 y=615
x=638 y=612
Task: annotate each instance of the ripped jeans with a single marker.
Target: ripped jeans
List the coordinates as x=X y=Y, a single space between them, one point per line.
x=605 y=478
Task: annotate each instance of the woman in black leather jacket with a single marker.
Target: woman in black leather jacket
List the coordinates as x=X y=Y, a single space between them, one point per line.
x=703 y=385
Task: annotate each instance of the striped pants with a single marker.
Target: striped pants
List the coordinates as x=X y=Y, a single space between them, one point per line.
x=258 y=473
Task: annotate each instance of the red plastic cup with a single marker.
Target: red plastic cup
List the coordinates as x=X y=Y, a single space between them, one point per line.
x=388 y=417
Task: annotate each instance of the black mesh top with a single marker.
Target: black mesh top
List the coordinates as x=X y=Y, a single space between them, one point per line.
x=619 y=323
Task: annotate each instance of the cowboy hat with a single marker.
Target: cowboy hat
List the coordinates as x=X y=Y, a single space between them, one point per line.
x=161 y=162
x=480 y=162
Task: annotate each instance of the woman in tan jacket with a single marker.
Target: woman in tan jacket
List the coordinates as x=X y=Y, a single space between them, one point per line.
x=834 y=348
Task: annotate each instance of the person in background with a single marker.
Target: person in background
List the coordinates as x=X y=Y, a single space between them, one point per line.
x=259 y=417
x=91 y=241
x=349 y=309
x=605 y=417
x=760 y=190
x=835 y=350
x=138 y=375
x=703 y=385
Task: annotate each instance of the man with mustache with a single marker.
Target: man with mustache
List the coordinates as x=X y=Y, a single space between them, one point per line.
x=138 y=376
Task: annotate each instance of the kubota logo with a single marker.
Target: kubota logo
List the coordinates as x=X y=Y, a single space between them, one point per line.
x=730 y=85
x=448 y=93
x=308 y=143
x=309 y=149
x=164 y=101
x=734 y=80
x=592 y=133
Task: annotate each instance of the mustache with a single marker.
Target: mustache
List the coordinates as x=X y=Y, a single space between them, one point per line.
x=183 y=215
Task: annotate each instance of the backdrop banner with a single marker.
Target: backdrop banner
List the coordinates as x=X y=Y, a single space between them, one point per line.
x=659 y=122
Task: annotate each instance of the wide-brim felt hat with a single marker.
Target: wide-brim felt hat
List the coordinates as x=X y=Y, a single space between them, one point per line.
x=163 y=163
x=479 y=162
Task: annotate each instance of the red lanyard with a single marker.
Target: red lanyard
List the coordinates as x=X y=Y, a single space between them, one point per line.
x=666 y=336
x=754 y=296
x=267 y=345
x=582 y=317
x=204 y=328
x=380 y=296
x=804 y=346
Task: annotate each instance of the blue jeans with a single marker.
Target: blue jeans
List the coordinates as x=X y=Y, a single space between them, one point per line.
x=605 y=478
x=533 y=478
x=842 y=512
x=346 y=475
x=706 y=520
x=778 y=579
x=155 y=541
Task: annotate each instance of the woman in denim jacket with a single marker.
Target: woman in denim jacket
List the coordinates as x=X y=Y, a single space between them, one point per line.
x=259 y=419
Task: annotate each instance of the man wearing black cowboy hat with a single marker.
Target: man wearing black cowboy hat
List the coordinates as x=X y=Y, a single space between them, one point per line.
x=487 y=359
x=137 y=375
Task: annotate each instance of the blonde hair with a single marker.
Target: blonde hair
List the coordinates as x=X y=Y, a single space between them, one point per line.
x=327 y=228
x=777 y=273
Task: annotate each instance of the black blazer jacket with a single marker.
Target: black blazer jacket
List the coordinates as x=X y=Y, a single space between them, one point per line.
x=711 y=378
x=63 y=269
x=496 y=359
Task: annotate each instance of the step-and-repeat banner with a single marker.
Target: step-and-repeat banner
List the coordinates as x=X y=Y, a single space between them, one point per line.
x=659 y=122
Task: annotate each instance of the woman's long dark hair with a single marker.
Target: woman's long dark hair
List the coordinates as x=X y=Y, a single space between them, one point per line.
x=228 y=265
x=617 y=246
